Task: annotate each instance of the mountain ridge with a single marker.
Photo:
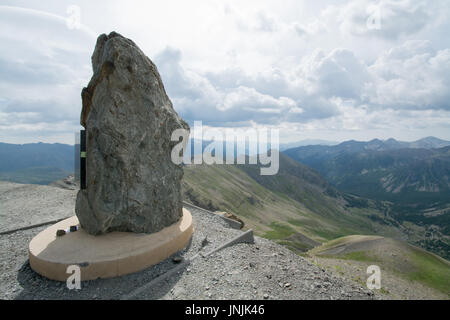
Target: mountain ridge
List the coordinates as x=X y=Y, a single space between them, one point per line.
x=296 y=203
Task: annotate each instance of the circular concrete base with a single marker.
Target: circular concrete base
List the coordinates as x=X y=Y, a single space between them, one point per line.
x=105 y=256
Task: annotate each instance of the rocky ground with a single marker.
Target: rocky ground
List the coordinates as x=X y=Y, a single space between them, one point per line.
x=396 y=262
x=393 y=286
x=23 y=205
x=263 y=270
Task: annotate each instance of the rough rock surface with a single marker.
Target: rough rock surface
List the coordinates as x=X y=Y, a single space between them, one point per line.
x=132 y=184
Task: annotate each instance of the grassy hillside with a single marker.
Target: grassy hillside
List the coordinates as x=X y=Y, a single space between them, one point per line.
x=296 y=207
x=414 y=180
x=402 y=265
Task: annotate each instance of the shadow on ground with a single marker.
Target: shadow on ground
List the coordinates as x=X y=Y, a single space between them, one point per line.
x=38 y=287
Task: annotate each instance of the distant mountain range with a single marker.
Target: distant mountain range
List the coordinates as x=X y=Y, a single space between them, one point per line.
x=397 y=189
x=348 y=146
x=352 y=146
x=328 y=205
x=298 y=207
x=385 y=170
x=308 y=142
x=281 y=146
x=414 y=177
x=39 y=163
x=296 y=202
x=23 y=156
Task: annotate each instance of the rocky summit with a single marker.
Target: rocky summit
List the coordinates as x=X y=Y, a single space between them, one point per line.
x=131 y=183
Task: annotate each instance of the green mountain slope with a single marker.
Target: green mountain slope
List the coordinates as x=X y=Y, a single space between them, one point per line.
x=291 y=207
x=402 y=266
x=416 y=181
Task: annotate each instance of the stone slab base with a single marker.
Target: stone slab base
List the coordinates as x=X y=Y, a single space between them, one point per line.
x=105 y=256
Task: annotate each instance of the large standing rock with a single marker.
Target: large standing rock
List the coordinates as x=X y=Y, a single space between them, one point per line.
x=132 y=184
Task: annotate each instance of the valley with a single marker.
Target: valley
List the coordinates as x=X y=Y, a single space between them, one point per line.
x=321 y=202
x=412 y=179
x=293 y=207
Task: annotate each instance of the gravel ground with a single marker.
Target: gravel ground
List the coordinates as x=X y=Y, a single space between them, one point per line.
x=22 y=205
x=263 y=270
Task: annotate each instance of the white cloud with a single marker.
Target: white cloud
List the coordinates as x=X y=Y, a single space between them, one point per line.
x=196 y=97
x=305 y=66
x=43 y=66
x=338 y=74
x=395 y=17
x=412 y=76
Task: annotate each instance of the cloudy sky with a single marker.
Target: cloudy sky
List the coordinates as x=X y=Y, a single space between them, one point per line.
x=322 y=69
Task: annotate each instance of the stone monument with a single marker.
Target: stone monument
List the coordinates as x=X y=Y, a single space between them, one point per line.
x=132 y=184
x=130 y=215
